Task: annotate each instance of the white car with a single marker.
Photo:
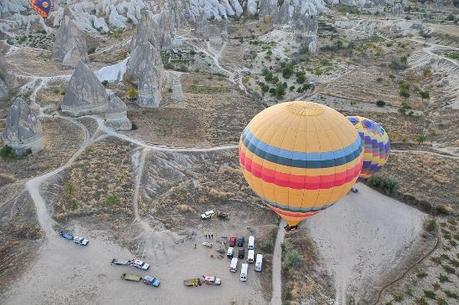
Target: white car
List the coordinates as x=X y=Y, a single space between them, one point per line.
x=208 y=214
x=207 y=244
x=80 y=241
x=140 y=264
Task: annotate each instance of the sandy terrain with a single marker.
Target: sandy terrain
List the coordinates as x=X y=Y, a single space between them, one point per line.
x=363 y=235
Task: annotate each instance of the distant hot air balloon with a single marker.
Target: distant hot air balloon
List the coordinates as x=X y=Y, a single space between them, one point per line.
x=375 y=142
x=300 y=157
x=42 y=7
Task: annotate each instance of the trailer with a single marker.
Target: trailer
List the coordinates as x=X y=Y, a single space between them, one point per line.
x=131 y=277
x=120 y=262
x=192 y=282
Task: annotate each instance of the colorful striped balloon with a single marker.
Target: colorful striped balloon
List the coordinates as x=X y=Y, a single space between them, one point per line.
x=376 y=144
x=300 y=157
x=42 y=7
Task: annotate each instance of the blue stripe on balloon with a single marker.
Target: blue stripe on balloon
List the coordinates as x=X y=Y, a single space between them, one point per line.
x=301 y=159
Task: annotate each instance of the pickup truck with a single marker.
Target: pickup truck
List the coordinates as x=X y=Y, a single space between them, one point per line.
x=212 y=280
x=193 y=282
x=207 y=214
x=151 y=281
x=80 y=241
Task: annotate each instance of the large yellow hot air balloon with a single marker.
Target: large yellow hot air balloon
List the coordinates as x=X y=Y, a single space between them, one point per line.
x=300 y=157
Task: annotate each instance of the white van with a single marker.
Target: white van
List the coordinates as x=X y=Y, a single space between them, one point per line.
x=233 y=265
x=259 y=263
x=251 y=244
x=244 y=270
x=251 y=257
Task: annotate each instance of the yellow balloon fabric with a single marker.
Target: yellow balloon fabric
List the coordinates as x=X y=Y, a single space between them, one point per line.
x=300 y=157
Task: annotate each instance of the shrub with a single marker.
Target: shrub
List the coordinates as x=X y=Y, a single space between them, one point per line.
x=105 y=83
x=421 y=274
x=267 y=246
x=430 y=294
x=380 y=103
x=91 y=50
x=112 y=199
x=293 y=259
x=451 y=294
x=448 y=269
x=420 y=138
x=74 y=205
x=398 y=64
x=287 y=70
x=300 y=77
x=421 y=301
x=132 y=93
x=442 y=302
x=387 y=185
x=424 y=94
x=134 y=126
x=430 y=225
x=7 y=153
x=398 y=298
x=264 y=87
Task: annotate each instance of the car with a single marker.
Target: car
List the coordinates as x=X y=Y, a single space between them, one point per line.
x=207 y=214
x=232 y=241
x=230 y=252
x=222 y=215
x=65 y=234
x=207 y=244
x=151 y=281
x=192 y=282
x=80 y=241
x=240 y=241
x=241 y=252
x=139 y=264
x=212 y=280
x=131 y=277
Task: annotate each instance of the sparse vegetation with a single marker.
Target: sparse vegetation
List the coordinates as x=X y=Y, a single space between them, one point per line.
x=132 y=93
x=112 y=199
x=387 y=185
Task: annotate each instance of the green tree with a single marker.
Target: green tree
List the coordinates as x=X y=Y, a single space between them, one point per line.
x=421 y=138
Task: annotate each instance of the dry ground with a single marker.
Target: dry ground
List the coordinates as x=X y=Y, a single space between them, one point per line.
x=61 y=139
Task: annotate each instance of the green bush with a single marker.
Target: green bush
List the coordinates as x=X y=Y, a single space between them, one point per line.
x=387 y=185
x=448 y=269
x=293 y=259
x=112 y=199
x=450 y=294
x=430 y=294
x=443 y=278
x=7 y=153
x=105 y=83
x=132 y=93
x=287 y=70
x=380 y=103
x=421 y=274
x=442 y=302
x=430 y=225
x=134 y=126
x=267 y=246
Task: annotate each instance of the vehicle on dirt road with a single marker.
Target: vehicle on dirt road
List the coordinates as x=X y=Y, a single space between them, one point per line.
x=65 y=234
x=259 y=263
x=251 y=244
x=241 y=252
x=151 y=281
x=230 y=252
x=244 y=271
x=80 y=241
x=207 y=214
x=233 y=265
x=232 y=241
x=131 y=277
x=207 y=244
x=222 y=216
x=212 y=280
x=139 y=264
x=240 y=241
x=251 y=257
x=192 y=282
x=120 y=262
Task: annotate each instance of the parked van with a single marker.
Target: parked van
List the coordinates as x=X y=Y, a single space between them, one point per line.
x=230 y=251
x=244 y=271
x=251 y=245
x=251 y=257
x=259 y=263
x=233 y=265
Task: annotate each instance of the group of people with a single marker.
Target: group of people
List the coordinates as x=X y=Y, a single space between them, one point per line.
x=210 y=236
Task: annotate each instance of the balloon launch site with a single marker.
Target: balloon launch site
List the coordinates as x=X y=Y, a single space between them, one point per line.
x=229 y=152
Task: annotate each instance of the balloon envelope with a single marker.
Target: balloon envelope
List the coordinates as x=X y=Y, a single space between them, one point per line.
x=375 y=142
x=42 y=7
x=300 y=157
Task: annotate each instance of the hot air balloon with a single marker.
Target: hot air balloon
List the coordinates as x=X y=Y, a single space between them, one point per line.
x=300 y=158
x=375 y=142
x=42 y=7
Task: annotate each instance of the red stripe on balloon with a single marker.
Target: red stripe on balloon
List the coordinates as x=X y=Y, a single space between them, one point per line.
x=298 y=181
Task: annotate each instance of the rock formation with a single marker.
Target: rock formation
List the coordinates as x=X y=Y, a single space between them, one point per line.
x=149 y=90
x=3 y=90
x=23 y=131
x=145 y=69
x=176 y=87
x=70 y=44
x=116 y=114
x=84 y=94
